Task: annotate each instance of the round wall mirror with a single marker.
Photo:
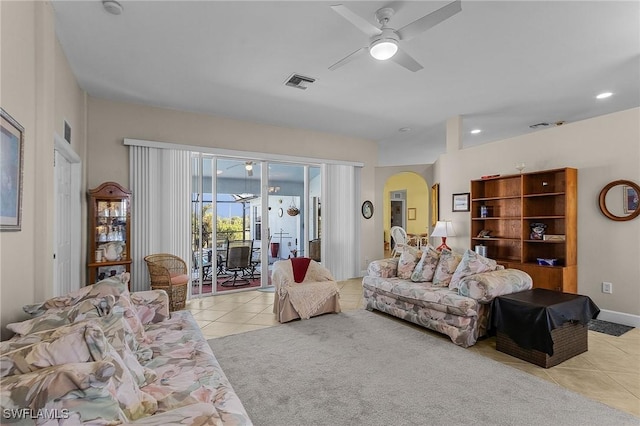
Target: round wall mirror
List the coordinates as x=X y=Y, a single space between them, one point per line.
x=619 y=200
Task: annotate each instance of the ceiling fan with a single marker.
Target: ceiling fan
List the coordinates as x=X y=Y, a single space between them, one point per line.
x=383 y=41
x=248 y=166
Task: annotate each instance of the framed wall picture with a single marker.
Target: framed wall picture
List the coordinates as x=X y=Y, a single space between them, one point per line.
x=631 y=198
x=435 y=195
x=460 y=202
x=411 y=213
x=367 y=209
x=11 y=163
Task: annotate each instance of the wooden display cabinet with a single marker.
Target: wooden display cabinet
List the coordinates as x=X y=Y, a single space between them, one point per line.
x=109 y=245
x=505 y=207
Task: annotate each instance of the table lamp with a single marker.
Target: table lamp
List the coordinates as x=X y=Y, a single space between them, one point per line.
x=443 y=229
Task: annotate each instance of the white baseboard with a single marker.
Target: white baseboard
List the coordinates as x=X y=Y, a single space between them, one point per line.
x=619 y=318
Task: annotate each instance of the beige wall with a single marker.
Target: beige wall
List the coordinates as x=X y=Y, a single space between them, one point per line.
x=603 y=149
x=111 y=122
x=34 y=75
x=18 y=77
x=69 y=103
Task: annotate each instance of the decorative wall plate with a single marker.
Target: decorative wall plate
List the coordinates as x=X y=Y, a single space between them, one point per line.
x=367 y=209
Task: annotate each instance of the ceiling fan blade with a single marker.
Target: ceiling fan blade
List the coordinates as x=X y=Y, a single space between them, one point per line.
x=357 y=20
x=348 y=58
x=429 y=21
x=403 y=58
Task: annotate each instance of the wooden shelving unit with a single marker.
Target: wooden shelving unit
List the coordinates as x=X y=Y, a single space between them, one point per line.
x=512 y=203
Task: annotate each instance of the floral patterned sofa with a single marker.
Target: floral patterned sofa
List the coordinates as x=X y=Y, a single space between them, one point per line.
x=446 y=292
x=104 y=356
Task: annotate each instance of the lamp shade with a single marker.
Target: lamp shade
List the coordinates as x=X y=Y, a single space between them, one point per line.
x=444 y=228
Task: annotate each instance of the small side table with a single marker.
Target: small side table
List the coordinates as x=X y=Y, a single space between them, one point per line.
x=541 y=326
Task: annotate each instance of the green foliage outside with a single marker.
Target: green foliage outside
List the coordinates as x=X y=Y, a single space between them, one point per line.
x=230 y=228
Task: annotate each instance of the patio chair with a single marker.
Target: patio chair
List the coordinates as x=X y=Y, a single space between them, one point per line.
x=203 y=258
x=238 y=262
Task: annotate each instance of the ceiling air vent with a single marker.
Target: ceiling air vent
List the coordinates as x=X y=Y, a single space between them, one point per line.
x=299 y=81
x=539 y=125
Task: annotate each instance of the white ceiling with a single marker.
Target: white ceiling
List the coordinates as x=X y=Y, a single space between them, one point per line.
x=501 y=65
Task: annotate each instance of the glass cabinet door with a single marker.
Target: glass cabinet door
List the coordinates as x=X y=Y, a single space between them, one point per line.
x=109 y=232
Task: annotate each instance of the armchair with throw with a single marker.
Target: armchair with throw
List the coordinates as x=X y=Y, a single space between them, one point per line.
x=304 y=288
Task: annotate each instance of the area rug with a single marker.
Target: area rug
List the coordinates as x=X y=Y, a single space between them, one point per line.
x=363 y=368
x=610 y=328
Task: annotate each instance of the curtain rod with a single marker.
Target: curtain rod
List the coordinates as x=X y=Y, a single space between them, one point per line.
x=250 y=155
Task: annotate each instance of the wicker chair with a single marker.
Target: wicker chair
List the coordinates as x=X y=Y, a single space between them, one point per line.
x=399 y=236
x=169 y=273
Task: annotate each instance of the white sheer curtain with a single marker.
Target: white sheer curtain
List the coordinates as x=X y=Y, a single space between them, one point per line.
x=160 y=208
x=339 y=218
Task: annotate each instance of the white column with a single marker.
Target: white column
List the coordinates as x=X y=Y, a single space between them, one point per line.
x=454 y=134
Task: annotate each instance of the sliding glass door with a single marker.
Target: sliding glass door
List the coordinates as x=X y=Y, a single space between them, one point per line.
x=238 y=244
x=272 y=208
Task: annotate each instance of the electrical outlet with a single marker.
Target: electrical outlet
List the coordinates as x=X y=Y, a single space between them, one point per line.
x=607 y=287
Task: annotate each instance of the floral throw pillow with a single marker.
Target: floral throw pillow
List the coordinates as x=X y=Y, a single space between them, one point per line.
x=407 y=263
x=112 y=286
x=471 y=263
x=447 y=265
x=426 y=267
x=56 y=317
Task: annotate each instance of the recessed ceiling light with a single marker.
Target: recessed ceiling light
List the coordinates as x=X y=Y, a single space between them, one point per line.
x=604 y=95
x=475 y=131
x=404 y=129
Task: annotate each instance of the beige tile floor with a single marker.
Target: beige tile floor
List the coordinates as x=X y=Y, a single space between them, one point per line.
x=608 y=372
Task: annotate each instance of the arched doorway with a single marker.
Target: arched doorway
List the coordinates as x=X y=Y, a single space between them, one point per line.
x=406 y=204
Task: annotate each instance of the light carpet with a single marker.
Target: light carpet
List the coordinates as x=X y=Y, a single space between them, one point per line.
x=365 y=368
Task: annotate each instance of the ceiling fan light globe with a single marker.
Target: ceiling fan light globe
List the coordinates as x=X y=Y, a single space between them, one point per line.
x=383 y=49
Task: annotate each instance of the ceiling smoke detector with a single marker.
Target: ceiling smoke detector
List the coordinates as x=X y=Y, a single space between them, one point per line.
x=112 y=6
x=299 y=81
